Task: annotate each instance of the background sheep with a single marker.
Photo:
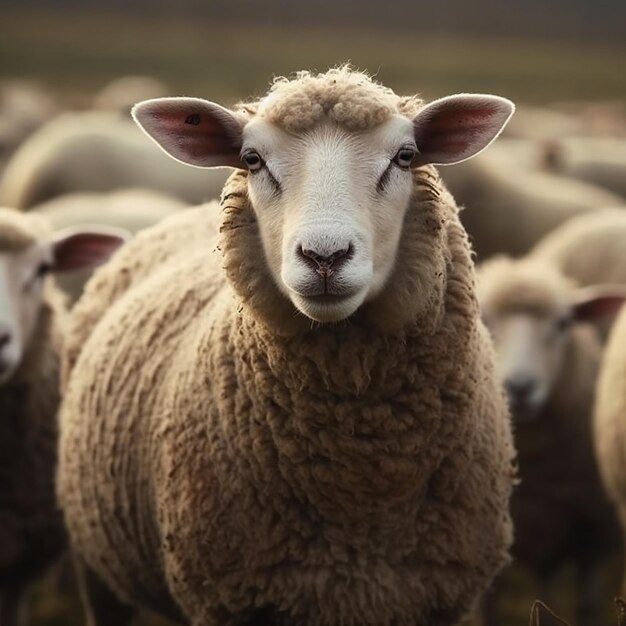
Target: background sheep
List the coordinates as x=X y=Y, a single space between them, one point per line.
x=320 y=434
x=597 y=160
x=548 y=361
x=510 y=207
x=32 y=326
x=93 y=151
x=128 y=209
x=24 y=106
x=610 y=419
x=122 y=93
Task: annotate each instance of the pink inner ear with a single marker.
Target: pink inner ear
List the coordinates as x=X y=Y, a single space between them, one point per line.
x=193 y=131
x=456 y=128
x=84 y=250
x=598 y=307
x=453 y=131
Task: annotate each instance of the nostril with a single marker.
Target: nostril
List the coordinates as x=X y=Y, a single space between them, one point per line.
x=325 y=261
x=5 y=339
x=519 y=390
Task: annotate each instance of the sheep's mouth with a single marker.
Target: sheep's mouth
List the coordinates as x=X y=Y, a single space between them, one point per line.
x=328 y=307
x=328 y=298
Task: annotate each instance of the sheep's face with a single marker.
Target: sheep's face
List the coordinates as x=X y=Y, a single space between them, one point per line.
x=530 y=349
x=530 y=309
x=330 y=206
x=329 y=160
x=22 y=274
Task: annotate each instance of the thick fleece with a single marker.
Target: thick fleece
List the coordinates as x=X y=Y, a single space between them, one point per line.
x=226 y=460
x=336 y=475
x=560 y=511
x=31 y=525
x=610 y=419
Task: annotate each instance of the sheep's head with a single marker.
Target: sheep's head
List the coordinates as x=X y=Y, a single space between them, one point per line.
x=530 y=309
x=330 y=161
x=28 y=252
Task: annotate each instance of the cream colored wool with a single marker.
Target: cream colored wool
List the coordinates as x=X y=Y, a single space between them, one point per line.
x=509 y=208
x=96 y=151
x=31 y=525
x=610 y=419
x=227 y=460
x=589 y=249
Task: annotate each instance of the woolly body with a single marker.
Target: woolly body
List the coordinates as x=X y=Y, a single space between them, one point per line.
x=610 y=419
x=588 y=249
x=508 y=209
x=96 y=151
x=261 y=467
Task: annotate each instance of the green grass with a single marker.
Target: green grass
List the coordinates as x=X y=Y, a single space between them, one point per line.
x=78 y=52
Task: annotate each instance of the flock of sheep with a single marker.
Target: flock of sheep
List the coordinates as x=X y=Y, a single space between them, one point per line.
x=300 y=404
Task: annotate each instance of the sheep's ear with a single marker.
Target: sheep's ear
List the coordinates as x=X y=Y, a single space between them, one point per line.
x=456 y=128
x=592 y=303
x=85 y=247
x=194 y=131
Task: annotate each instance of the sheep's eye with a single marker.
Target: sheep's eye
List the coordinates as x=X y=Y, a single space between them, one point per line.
x=404 y=157
x=563 y=323
x=43 y=269
x=252 y=161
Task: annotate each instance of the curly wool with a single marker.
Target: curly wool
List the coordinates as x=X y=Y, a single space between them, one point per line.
x=317 y=476
x=350 y=98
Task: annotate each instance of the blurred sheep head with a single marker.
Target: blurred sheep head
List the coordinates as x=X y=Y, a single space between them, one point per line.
x=28 y=253
x=530 y=309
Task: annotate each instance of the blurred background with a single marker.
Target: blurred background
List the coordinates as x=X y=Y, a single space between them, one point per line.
x=568 y=55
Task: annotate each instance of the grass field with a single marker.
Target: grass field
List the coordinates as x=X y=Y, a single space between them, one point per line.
x=79 y=52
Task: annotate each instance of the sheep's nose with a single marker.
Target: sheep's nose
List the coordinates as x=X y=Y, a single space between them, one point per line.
x=325 y=264
x=5 y=339
x=519 y=390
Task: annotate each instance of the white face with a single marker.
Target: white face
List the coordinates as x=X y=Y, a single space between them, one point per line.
x=330 y=206
x=529 y=356
x=21 y=282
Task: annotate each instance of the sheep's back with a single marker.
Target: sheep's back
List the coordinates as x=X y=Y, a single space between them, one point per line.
x=610 y=415
x=119 y=382
x=146 y=254
x=589 y=249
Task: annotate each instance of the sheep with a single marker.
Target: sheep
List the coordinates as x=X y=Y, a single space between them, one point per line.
x=97 y=151
x=33 y=321
x=120 y=94
x=509 y=208
x=128 y=209
x=609 y=419
x=24 y=106
x=597 y=160
x=589 y=249
x=309 y=430
x=548 y=361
